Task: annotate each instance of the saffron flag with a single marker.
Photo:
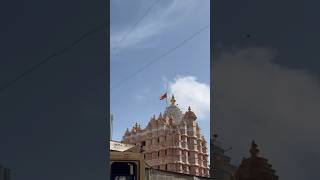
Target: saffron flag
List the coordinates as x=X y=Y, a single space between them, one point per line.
x=164 y=96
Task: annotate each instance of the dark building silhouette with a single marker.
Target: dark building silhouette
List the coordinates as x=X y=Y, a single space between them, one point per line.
x=222 y=169
x=4 y=173
x=255 y=168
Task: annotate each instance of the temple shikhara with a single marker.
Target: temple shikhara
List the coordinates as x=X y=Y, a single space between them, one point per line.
x=255 y=167
x=172 y=142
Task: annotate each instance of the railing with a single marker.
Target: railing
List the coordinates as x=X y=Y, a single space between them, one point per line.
x=184 y=145
x=145 y=148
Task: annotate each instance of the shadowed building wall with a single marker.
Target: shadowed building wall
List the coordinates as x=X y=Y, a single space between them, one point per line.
x=222 y=169
x=4 y=173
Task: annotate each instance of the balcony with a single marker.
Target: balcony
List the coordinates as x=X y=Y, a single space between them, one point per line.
x=204 y=150
x=184 y=145
x=145 y=148
x=162 y=161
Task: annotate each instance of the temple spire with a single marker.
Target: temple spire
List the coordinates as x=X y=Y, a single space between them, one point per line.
x=254 y=150
x=255 y=167
x=173 y=100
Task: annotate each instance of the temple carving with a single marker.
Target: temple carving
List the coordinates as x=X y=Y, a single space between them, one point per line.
x=172 y=142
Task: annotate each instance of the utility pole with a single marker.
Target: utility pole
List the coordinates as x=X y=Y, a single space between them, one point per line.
x=111 y=125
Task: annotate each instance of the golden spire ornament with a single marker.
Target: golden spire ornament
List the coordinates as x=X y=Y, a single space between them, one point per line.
x=173 y=100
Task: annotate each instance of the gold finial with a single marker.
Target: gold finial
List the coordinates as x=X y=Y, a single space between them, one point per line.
x=136 y=125
x=254 y=150
x=173 y=100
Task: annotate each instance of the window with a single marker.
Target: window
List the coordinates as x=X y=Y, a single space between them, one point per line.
x=124 y=170
x=143 y=143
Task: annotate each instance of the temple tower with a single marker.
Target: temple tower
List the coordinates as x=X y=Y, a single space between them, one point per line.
x=255 y=167
x=172 y=142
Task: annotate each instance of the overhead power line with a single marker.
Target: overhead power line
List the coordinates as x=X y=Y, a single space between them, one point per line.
x=135 y=25
x=50 y=58
x=160 y=57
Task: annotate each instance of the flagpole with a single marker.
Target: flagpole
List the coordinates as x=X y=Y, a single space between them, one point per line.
x=167 y=96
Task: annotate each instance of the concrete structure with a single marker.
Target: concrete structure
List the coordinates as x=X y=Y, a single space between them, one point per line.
x=4 y=173
x=222 y=169
x=126 y=162
x=255 y=168
x=172 y=142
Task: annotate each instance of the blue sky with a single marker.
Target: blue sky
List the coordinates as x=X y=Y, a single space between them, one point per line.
x=186 y=70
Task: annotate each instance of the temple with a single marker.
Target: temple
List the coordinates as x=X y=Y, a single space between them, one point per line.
x=172 y=142
x=254 y=167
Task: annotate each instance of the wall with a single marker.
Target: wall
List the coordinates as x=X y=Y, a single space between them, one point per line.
x=154 y=174
x=4 y=173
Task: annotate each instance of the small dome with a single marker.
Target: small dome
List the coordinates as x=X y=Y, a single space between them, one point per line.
x=190 y=114
x=173 y=112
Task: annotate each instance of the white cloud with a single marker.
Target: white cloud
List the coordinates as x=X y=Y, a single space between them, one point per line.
x=160 y=19
x=190 y=92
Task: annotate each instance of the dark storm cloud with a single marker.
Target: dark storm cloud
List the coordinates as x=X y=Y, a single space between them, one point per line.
x=255 y=98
